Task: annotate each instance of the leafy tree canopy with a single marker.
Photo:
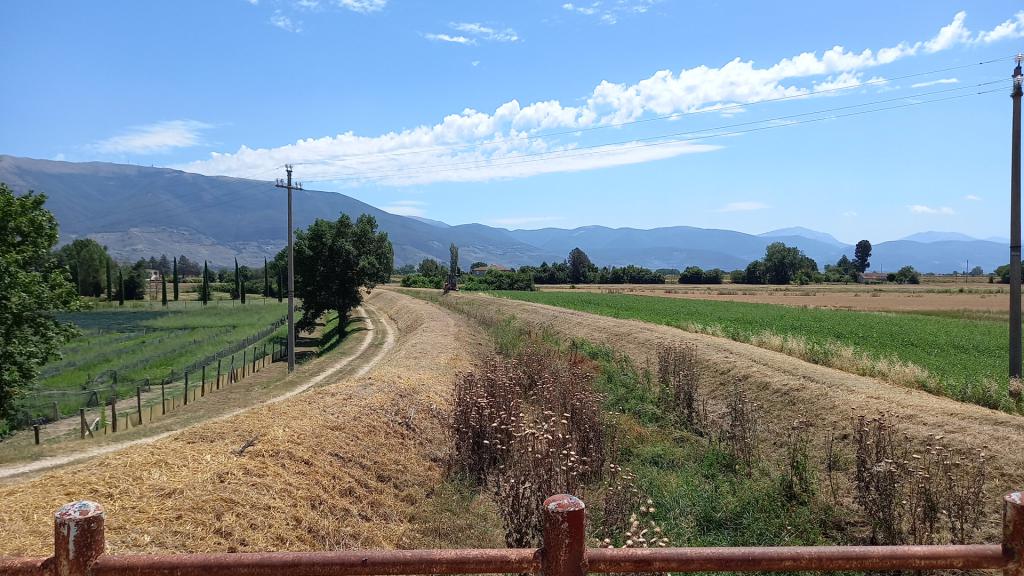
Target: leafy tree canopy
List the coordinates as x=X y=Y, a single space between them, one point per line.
x=333 y=260
x=86 y=260
x=33 y=286
x=861 y=254
x=581 y=269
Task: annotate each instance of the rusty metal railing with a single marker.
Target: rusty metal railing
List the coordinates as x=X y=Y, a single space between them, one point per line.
x=79 y=551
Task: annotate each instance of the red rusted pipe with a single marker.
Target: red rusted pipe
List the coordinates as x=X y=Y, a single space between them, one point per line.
x=796 y=558
x=353 y=563
x=565 y=543
x=1013 y=533
x=13 y=566
x=77 y=538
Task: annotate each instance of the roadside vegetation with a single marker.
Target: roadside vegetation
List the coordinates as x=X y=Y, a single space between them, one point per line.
x=961 y=358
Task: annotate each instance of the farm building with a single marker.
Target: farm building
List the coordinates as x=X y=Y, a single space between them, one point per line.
x=482 y=270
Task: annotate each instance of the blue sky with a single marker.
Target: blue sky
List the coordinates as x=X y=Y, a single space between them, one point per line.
x=530 y=114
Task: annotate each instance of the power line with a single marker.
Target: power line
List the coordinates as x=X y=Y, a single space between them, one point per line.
x=672 y=116
x=369 y=175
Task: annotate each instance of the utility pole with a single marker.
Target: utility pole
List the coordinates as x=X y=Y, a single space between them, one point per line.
x=1015 y=327
x=291 y=268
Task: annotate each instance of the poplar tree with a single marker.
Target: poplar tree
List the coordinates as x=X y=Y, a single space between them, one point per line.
x=238 y=286
x=110 y=283
x=174 y=279
x=205 y=287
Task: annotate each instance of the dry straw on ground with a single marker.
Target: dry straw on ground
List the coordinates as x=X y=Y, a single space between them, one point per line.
x=343 y=466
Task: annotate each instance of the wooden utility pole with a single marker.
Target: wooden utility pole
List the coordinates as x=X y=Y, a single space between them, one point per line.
x=291 y=268
x=1015 y=327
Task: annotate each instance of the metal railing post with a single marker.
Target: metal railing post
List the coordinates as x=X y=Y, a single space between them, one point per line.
x=77 y=538
x=1013 y=533
x=565 y=542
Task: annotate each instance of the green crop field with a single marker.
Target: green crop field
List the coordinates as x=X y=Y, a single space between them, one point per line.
x=964 y=358
x=128 y=345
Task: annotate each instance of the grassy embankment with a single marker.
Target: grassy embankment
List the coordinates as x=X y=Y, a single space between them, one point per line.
x=963 y=358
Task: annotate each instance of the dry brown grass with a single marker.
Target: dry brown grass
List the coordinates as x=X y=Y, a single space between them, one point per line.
x=349 y=465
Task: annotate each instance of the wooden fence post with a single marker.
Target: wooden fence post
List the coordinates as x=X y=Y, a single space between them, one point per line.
x=253 y=364
x=56 y=412
x=163 y=399
x=1013 y=533
x=565 y=546
x=202 y=389
x=218 y=373
x=186 y=387
x=35 y=432
x=138 y=402
x=244 y=362
x=231 y=371
x=81 y=419
x=113 y=414
x=77 y=538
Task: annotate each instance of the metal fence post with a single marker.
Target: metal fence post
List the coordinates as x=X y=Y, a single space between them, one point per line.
x=565 y=545
x=77 y=538
x=1013 y=533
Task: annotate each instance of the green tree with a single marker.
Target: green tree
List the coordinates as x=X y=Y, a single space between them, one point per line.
x=120 y=287
x=478 y=264
x=581 y=269
x=32 y=287
x=453 y=265
x=163 y=289
x=86 y=260
x=691 y=275
x=861 y=255
x=237 y=292
x=333 y=260
x=977 y=271
x=241 y=293
x=783 y=264
x=431 y=268
x=266 y=279
x=110 y=283
x=174 y=279
x=908 y=275
x=754 y=273
x=204 y=288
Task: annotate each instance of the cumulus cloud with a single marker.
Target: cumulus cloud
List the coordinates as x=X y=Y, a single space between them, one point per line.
x=363 y=6
x=972 y=198
x=285 y=23
x=939 y=210
x=509 y=142
x=746 y=206
x=608 y=13
x=470 y=32
x=449 y=38
x=155 y=138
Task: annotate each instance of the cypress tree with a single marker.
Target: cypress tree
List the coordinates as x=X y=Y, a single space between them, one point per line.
x=110 y=283
x=120 y=292
x=241 y=293
x=266 y=278
x=174 y=278
x=206 y=283
x=238 y=287
x=163 y=289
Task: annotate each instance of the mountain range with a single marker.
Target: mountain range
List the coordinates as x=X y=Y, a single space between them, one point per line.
x=141 y=211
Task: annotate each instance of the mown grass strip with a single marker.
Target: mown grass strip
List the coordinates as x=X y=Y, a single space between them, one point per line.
x=965 y=359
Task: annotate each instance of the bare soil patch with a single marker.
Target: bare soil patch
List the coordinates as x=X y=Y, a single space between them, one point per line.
x=346 y=465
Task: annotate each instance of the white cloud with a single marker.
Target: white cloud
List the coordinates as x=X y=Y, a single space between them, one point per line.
x=363 y=6
x=285 y=23
x=517 y=221
x=406 y=208
x=608 y=13
x=1012 y=28
x=508 y=142
x=485 y=32
x=253 y=2
x=448 y=38
x=953 y=33
x=155 y=138
x=935 y=82
x=475 y=63
x=972 y=198
x=850 y=214
x=939 y=210
x=746 y=206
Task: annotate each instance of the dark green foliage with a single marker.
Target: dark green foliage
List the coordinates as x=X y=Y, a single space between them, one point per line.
x=174 y=279
x=737 y=276
x=1003 y=272
x=237 y=292
x=86 y=260
x=204 y=287
x=241 y=292
x=110 y=284
x=581 y=269
x=120 y=290
x=499 y=280
x=861 y=254
x=755 y=273
x=691 y=275
x=32 y=287
x=907 y=275
x=420 y=281
x=453 y=266
x=431 y=268
x=784 y=264
x=668 y=271
x=405 y=269
x=333 y=260
x=187 y=267
x=477 y=264
x=714 y=276
x=628 y=275
x=266 y=279
x=844 y=270
x=163 y=289
x=557 y=273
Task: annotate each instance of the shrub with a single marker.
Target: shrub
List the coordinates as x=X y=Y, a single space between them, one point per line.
x=691 y=275
x=421 y=281
x=713 y=276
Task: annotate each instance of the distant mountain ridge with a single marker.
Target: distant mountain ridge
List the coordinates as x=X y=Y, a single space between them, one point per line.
x=141 y=211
